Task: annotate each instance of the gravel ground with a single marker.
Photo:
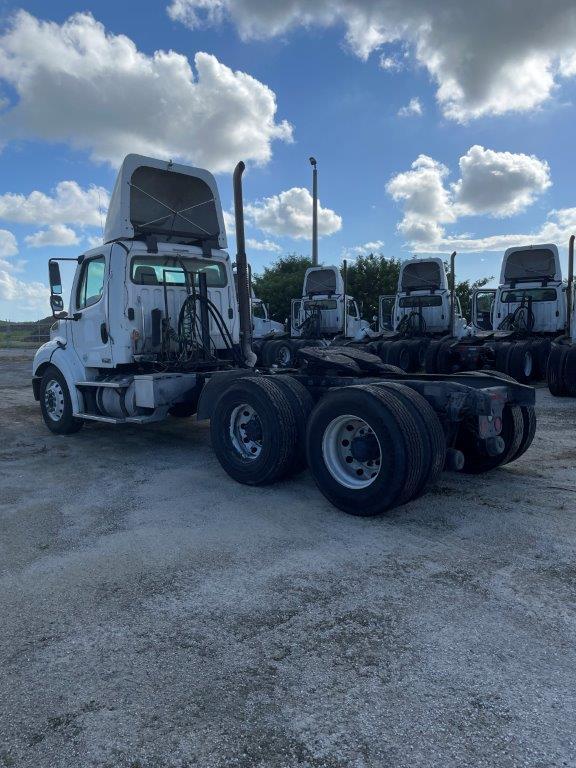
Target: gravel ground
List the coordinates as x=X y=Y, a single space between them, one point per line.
x=155 y=614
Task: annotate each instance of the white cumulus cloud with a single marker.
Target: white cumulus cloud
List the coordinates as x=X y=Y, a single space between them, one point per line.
x=78 y=83
x=263 y=245
x=21 y=296
x=489 y=57
x=373 y=246
x=67 y=204
x=24 y=295
x=496 y=183
x=500 y=183
x=290 y=214
x=8 y=244
x=57 y=234
x=412 y=109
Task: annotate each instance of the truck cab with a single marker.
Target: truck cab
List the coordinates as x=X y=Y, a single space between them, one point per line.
x=531 y=295
x=262 y=324
x=422 y=302
x=324 y=310
x=150 y=308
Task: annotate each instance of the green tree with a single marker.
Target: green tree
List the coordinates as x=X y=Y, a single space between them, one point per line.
x=370 y=277
x=280 y=283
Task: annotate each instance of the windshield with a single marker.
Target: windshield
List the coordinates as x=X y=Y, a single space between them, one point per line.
x=536 y=294
x=321 y=304
x=172 y=270
x=413 y=302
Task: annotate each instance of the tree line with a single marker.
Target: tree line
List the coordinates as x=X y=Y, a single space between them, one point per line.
x=368 y=278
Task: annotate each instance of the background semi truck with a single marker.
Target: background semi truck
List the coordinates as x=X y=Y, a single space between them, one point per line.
x=561 y=369
x=512 y=327
x=156 y=326
x=322 y=313
x=420 y=316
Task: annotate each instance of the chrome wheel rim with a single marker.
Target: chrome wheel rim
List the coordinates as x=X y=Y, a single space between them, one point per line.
x=246 y=432
x=351 y=452
x=528 y=364
x=283 y=356
x=54 y=400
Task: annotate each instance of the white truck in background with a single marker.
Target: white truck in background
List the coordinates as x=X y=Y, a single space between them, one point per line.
x=561 y=368
x=419 y=315
x=322 y=314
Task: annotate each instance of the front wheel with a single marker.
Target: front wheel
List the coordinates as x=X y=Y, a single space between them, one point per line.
x=56 y=404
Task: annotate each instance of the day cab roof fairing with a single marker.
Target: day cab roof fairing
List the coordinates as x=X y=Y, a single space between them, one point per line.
x=175 y=203
x=531 y=263
x=323 y=281
x=423 y=275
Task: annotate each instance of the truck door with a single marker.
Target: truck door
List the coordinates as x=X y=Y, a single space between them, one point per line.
x=296 y=305
x=385 y=319
x=482 y=305
x=90 y=331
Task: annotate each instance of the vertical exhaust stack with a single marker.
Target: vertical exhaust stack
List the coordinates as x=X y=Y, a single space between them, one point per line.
x=570 y=287
x=242 y=271
x=453 y=294
x=345 y=270
x=314 y=164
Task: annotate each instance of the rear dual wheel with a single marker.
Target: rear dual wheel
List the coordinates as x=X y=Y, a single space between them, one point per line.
x=407 y=354
x=372 y=447
x=258 y=429
x=516 y=358
x=561 y=370
x=279 y=352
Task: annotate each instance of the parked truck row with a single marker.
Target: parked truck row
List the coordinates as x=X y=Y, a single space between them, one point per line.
x=156 y=325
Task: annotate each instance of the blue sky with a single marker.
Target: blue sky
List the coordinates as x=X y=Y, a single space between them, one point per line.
x=340 y=103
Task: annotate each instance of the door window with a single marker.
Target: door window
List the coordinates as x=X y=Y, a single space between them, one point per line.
x=91 y=283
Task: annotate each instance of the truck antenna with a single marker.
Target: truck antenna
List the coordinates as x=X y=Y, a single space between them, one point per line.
x=314 y=164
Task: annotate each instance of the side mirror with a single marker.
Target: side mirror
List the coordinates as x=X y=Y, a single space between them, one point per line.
x=55 y=280
x=57 y=306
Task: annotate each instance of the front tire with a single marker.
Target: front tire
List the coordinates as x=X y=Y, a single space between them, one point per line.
x=56 y=404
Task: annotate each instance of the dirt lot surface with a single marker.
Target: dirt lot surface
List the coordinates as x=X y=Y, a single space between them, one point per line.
x=155 y=614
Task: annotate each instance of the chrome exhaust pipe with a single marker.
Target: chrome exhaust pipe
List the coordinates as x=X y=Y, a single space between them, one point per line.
x=242 y=271
x=314 y=164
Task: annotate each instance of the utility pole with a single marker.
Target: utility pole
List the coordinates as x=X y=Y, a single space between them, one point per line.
x=314 y=212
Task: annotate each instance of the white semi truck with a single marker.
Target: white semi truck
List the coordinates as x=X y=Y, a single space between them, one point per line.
x=512 y=325
x=515 y=323
x=322 y=313
x=418 y=314
x=155 y=326
x=561 y=369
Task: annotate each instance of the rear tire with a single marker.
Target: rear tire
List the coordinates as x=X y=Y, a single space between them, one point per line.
x=521 y=362
x=253 y=431
x=569 y=372
x=528 y=420
x=431 y=357
x=555 y=370
x=512 y=433
x=430 y=428
x=399 y=354
x=56 y=404
x=445 y=362
x=502 y=352
x=364 y=450
x=302 y=404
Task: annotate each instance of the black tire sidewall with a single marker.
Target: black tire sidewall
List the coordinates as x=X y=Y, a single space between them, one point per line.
x=68 y=423
x=386 y=487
